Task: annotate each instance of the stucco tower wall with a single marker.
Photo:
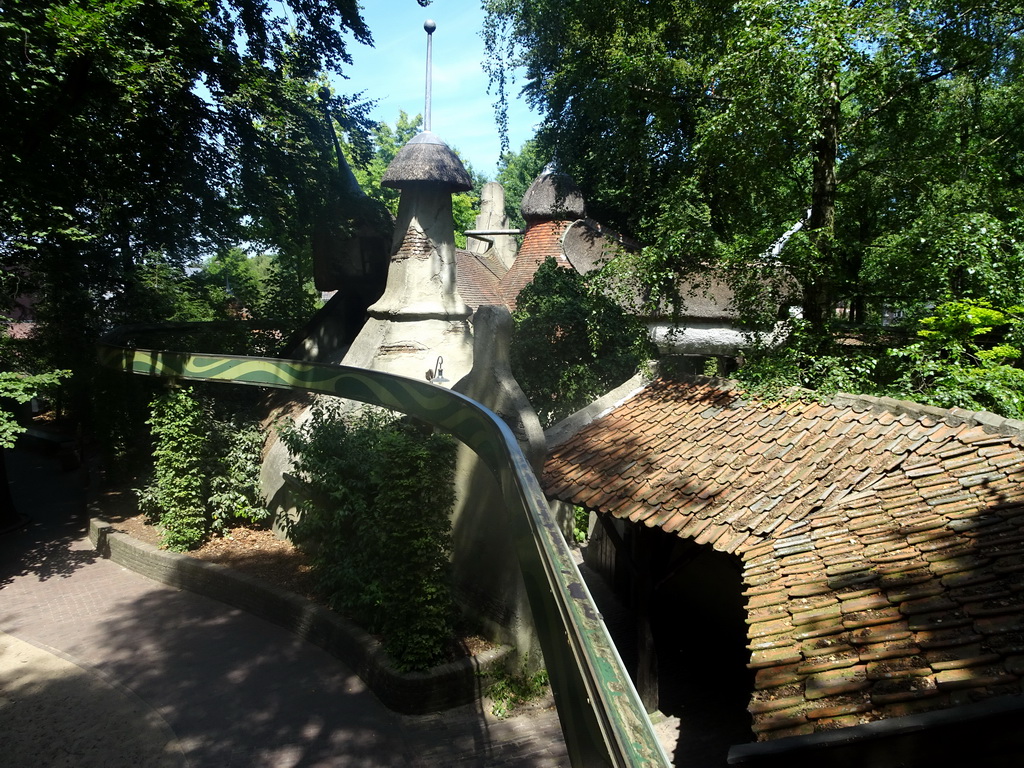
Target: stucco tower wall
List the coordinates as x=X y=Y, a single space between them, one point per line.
x=485 y=567
x=421 y=316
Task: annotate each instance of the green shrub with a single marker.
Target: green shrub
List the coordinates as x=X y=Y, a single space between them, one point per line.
x=376 y=519
x=572 y=343
x=205 y=471
x=580 y=524
x=509 y=691
x=968 y=354
x=234 y=493
x=175 y=497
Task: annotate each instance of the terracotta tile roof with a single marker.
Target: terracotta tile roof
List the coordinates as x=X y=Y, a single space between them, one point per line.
x=543 y=239
x=478 y=277
x=882 y=542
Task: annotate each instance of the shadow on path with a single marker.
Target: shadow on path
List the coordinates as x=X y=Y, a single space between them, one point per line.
x=52 y=502
x=234 y=690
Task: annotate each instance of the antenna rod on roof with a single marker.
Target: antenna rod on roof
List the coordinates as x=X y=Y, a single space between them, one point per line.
x=429 y=26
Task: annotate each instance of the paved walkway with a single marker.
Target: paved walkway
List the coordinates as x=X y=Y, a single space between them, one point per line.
x=102 y=667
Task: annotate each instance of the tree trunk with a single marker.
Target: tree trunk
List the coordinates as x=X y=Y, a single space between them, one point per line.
x=819 y=285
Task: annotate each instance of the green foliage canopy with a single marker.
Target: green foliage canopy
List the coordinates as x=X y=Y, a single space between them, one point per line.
x=205 y=470
x=571 y=342
x=516 y=172
x=891 y=131
x=176 y=127
x=17 y=387
x=376 y=518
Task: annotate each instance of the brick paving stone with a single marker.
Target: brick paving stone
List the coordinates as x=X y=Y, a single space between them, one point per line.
x=923 y=589
x=881 y=633
x=938 y=620
x=838 y=706
x=915 y=705
x=774 y=657
x=838 y=659
x=818 y=646
x=233 y=689
x=778 y=719
x=843 y=721
x=870 y=618
x=810 y=588
x=774 y=677
x=865 y=603
x=823 y=629
x=759 y=705
x=938 y=602
x=996 y=606
x=971 y=677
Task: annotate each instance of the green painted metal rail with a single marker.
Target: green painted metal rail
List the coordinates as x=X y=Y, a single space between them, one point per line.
x=601 y=715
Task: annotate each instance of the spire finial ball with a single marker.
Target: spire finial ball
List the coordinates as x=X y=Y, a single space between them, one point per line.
x=429 y=26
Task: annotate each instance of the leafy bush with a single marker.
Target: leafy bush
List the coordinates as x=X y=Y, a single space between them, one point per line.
x=509 y=691
x=580 y=524
x=234 y=492
x=800 y=362
x=572 y=343
x=376 y=520
x=18 y=387
x=175 y=498
x=966 y=354
x=205 y=471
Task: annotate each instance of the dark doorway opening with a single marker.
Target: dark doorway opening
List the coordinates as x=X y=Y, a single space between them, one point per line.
x=692 y=598
x=698 y=623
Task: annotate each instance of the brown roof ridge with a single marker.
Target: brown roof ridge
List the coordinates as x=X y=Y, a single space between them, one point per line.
x=953 y=416
x=882 y=541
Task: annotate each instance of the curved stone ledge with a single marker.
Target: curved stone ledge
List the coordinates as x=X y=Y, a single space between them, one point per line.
x=445 y=686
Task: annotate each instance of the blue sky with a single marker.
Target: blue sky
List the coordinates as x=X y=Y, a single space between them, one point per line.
x=392 y=73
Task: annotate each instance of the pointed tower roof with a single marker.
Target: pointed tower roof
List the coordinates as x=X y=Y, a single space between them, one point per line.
x=426 y=158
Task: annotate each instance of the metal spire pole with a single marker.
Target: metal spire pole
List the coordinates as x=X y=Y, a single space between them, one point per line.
x=429 y=26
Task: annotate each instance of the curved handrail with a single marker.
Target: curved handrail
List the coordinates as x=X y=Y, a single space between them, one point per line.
x=601 y=716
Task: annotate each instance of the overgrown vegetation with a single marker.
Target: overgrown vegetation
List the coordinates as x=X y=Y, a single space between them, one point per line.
x=205 y=470
x=580 y=524
x=571 y=342
x=18 y=387
x=965 y=354
x=882 y=137
x=510 y=691
x=379 y=493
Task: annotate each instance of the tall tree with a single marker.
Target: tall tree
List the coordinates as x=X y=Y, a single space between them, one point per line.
x=135 y=127
x=516 y=172
x=710 y=129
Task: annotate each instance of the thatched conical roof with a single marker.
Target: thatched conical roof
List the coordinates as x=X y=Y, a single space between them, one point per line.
x=427 y=158
x=553 y=196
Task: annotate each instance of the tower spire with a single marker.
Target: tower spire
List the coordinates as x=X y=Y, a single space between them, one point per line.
x=429 y=26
